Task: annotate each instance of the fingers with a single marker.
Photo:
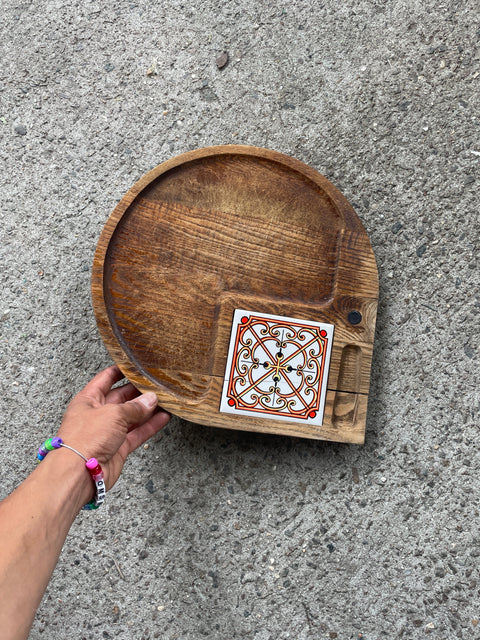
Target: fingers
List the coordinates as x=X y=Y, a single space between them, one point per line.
x=101 y=384
x=141 y=434
x=122 y=394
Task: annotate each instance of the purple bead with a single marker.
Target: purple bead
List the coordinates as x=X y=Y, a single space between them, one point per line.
x=57 y=443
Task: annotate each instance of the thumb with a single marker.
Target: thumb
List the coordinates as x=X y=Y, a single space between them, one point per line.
x=139 y=409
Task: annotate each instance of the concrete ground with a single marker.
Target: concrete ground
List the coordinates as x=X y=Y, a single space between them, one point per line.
x=217 y=534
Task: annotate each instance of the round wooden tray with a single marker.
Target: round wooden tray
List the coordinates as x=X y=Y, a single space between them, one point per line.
x=225 y=228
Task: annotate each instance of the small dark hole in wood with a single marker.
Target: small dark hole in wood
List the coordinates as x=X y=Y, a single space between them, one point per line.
x=354 y=317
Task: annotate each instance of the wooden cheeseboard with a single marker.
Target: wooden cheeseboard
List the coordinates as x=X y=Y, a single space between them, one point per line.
x=239 y=285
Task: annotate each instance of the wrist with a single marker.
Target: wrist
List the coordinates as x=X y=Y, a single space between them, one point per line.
x=68 y=475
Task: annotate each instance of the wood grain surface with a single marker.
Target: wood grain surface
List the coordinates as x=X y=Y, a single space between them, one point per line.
x=223 y=228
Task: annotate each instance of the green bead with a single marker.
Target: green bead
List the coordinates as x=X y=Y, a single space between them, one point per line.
x=48 y=445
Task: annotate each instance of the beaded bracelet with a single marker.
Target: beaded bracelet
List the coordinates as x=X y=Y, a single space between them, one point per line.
x=92 y=465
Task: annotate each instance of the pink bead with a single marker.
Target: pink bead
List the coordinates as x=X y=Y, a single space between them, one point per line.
x=91 y=464
x=94 y=469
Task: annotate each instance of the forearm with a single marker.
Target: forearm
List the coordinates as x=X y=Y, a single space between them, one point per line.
x=34 y=522
x=100 y=422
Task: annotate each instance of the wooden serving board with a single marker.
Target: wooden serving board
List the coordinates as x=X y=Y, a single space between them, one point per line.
x=231 y=228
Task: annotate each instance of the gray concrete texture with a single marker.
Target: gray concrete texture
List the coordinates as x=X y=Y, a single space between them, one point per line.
x=218 y=534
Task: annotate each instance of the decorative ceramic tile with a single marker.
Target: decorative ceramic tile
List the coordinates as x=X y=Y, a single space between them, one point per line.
x=277 y=368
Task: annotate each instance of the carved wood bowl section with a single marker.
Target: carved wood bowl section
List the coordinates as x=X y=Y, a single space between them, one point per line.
x=230 y=234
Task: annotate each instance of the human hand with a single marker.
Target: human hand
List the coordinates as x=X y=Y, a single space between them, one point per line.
x=108 y=424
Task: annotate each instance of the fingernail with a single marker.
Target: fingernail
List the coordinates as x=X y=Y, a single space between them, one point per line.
x=149 y=399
